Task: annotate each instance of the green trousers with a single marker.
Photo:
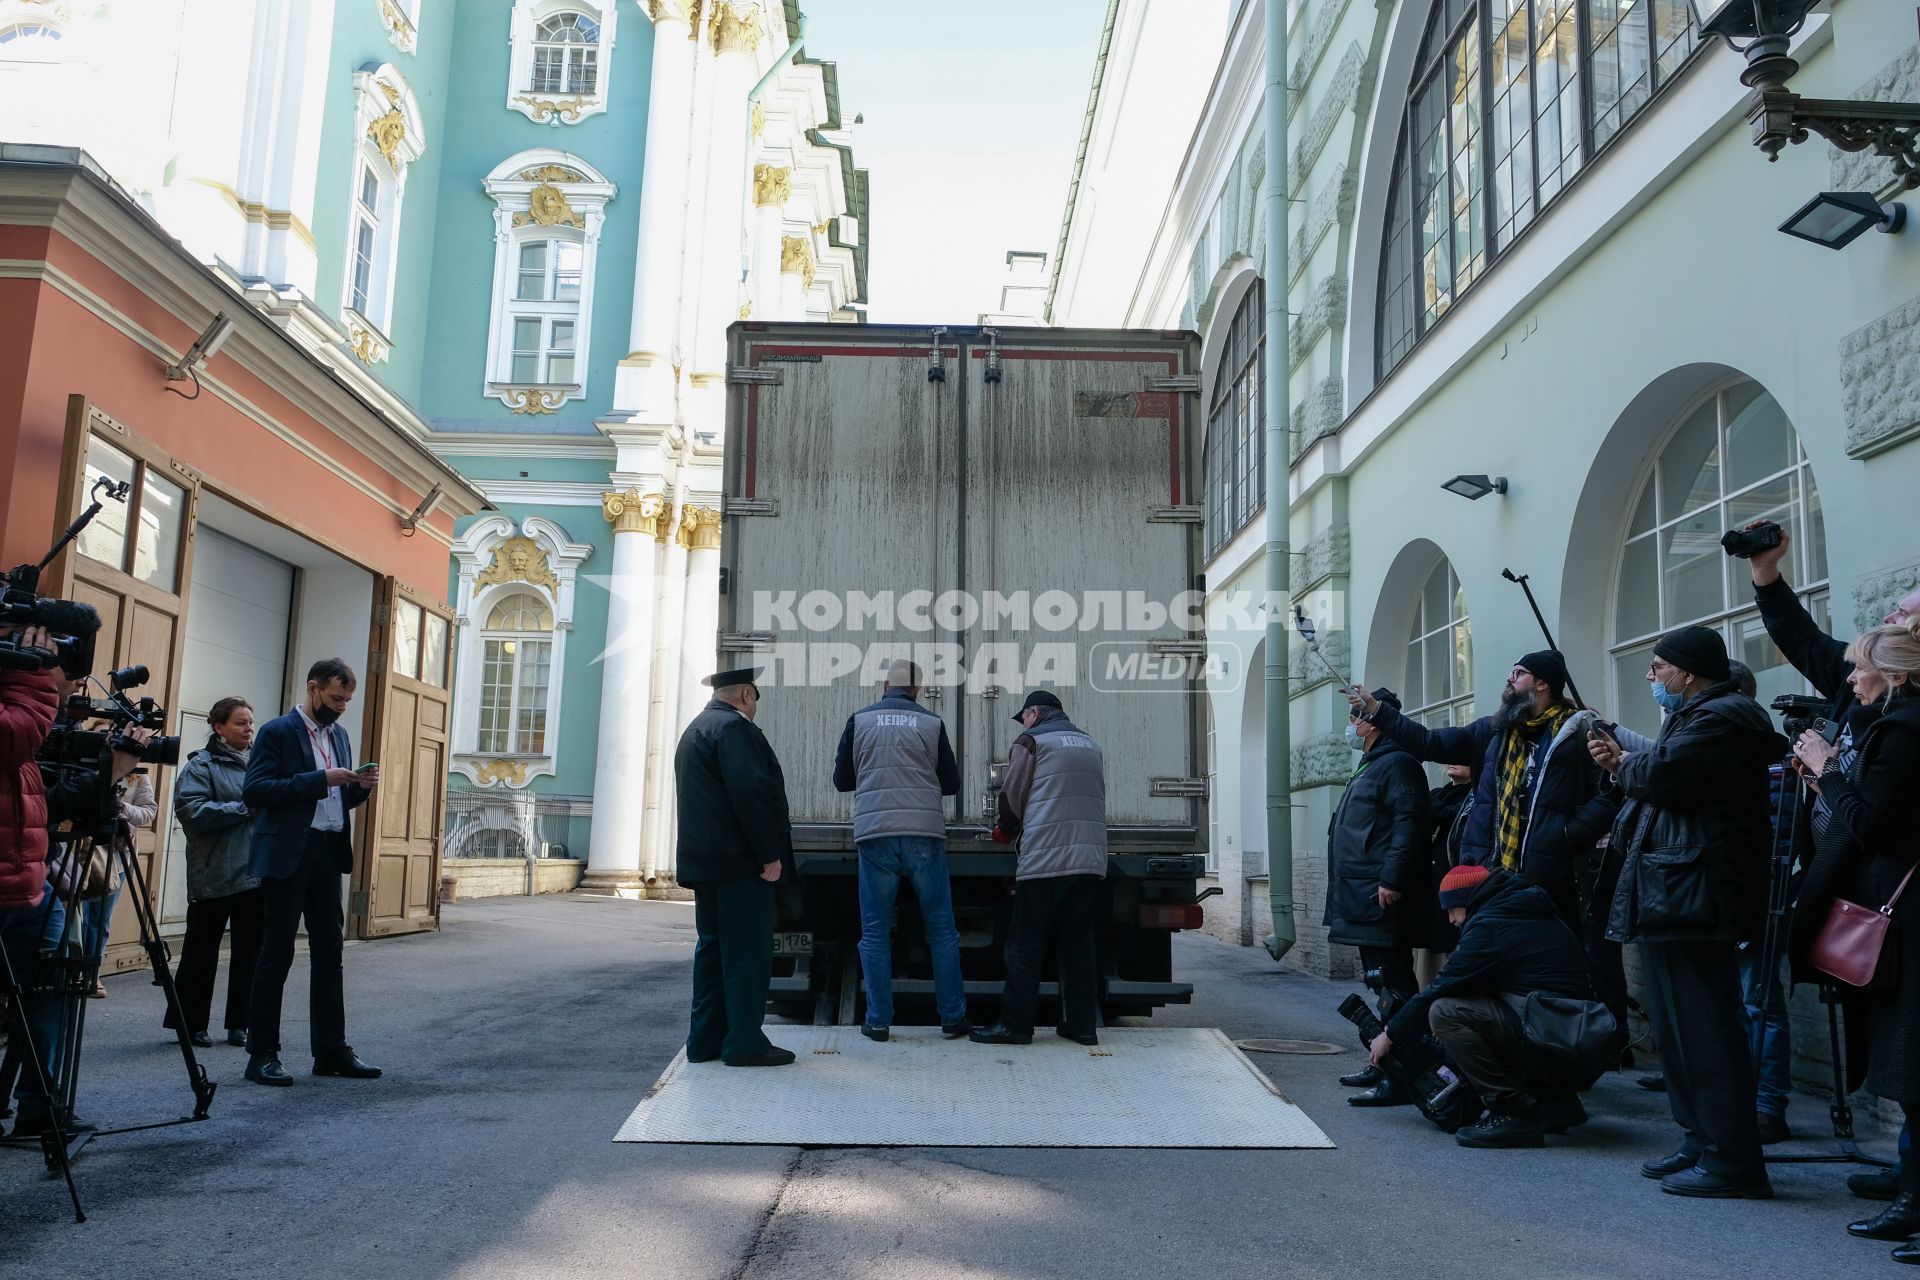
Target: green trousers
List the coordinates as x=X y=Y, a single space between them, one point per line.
x=732 y=967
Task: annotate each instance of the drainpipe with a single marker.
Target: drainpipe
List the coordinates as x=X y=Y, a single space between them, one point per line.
x=1279 y=710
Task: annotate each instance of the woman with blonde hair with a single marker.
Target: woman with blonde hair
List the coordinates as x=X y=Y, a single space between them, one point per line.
x=1866 y=846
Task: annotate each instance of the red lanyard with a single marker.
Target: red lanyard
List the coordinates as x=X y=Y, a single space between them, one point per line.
x=324 y=754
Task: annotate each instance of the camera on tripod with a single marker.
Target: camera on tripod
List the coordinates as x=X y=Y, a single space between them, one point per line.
x=1798 y=712
x=70 y=625
x=93 y=748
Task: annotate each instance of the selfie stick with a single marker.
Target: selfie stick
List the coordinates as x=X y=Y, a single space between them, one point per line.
x=1538 y=617
x=1304 y=626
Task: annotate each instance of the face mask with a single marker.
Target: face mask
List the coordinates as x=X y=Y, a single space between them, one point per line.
x=1353 y=738
x=1668 y=700
x=324 y=715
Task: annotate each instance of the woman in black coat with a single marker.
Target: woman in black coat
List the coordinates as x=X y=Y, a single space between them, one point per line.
x=1864 y=848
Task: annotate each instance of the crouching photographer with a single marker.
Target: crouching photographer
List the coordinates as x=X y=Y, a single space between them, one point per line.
x=1516 y=1007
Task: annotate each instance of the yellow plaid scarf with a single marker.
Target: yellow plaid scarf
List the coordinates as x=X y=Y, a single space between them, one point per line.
x=1510 y=800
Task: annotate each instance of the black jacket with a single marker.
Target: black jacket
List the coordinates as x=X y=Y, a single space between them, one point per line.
x=1694 y=834
x=1813 y=653
x=1569 y=811
x=1379 y=836
x=1869 y=846
x=1448 y=809
x=733 y=800
x=1513 y=942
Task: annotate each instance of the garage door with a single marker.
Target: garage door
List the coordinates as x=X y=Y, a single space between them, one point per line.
x=239 y=611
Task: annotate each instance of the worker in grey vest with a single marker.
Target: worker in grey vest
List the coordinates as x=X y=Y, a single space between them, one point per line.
x=1053 y=800
x=895 y=758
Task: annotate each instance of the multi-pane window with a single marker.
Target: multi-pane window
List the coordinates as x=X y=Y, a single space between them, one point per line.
x=29 y=31
x=1493 y=131
x=566 y=55
x=155 y=511
x=366 y=237
x=1439 y=681
x=1236 y=452
x=516 y=667
x=544 y=312
x=1734 y=459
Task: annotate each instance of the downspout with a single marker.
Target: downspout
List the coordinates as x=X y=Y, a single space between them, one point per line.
x=1279 y=709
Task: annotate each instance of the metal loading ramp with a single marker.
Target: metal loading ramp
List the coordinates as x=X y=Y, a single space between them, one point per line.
x=1144 y=1087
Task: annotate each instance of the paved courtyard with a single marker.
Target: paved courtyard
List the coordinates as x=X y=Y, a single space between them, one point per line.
x=518 y=1040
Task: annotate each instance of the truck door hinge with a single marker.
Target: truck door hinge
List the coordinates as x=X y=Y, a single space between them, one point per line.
x=1177 y=787
x=738 y=375
x=1186 y=383
x=1175 y=515
x=750 y=506
x=751 y=641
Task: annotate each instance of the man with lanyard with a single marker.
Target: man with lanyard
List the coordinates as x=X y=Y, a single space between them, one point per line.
x=300 y=789
x=1538 y=809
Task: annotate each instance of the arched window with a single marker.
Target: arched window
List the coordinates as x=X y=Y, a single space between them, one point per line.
x=1734 y=459
x=1439 y=683
x=29 y=31
x=1236 y=453
x=1493 y=131
x=516 y=668
x=566 y=55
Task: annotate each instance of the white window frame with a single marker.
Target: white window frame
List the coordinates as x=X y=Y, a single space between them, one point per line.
x=381 y=94
x=558 y=108
x=520 y=639
x=1737 y=609
x=1457 y=707
x=473 y=551
x=542 y=195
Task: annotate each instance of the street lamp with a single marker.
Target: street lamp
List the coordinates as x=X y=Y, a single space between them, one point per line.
x=1762 y=30
x=1474 y=488
x=1834 y=219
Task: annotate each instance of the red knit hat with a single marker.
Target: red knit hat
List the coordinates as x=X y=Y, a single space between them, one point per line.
x=1459 y=884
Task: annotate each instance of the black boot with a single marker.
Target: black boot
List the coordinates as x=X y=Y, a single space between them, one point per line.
x=1908 y=1252
x=1365 y=1078
x=1881 y=1184
x=1897 y=1221
x=1511 y=1122
x=1384 y=1094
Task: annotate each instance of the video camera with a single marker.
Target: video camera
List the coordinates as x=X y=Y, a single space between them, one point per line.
x=1441 y=1093
x=1797 y=712
x=72 y=626
x=68 y=745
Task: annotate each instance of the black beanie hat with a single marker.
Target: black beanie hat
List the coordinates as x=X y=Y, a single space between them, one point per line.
x=1698 y=651
x=1547 y=665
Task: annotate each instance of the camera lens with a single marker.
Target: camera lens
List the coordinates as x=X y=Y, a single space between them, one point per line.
x=162 y=749
x=128 y=677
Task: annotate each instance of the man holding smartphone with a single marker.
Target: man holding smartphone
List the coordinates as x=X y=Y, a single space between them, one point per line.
x=300 y=789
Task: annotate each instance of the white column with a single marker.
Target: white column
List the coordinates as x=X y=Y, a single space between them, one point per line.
x=643 y=384
x=736 y=34
x=613 y=857
x=772 y=184
x=700 y=617
x=796 y=276
x=656 y=851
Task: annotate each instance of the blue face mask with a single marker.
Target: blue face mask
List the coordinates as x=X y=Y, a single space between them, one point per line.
x=1353 y=738
x=1668 y=700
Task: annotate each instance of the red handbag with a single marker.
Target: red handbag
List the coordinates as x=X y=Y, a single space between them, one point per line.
x=1858 y=945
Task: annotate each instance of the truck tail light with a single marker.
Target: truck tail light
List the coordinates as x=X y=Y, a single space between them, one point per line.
x=1163 y=916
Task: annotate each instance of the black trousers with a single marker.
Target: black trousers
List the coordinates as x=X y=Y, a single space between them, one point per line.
x=1395 y=966
x=1061 y=906
x=732 y=967
x=1483 y=1036
x=1694 y=1000
x=207 y=922
x=312 y=892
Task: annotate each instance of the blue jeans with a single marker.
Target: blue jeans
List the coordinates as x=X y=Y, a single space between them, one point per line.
x=924 y=862
x=25 y=932
x=96 y=919
x=1775 y=1080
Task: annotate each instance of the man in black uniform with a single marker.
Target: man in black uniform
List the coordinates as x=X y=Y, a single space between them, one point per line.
x=734 y=840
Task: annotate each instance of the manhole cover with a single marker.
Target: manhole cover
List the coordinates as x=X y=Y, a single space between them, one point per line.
x=1289 y=1046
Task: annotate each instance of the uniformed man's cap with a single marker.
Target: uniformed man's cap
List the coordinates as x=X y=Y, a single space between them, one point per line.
x=723 y=679
x=1038 y=698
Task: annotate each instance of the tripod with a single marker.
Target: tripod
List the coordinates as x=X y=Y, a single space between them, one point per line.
x=1779 y=905
x=77 y=974
x=53 y=1139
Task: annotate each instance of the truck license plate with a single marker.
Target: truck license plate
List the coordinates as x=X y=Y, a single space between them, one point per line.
x=793 y=944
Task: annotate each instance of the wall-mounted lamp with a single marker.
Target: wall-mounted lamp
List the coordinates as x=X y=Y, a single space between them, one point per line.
x=204 y=348
x=1835 y=219
x=1474 y=488
x=425 y=509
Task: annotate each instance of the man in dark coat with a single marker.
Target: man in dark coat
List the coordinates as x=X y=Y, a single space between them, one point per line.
x=1512 y=944
x=734 y=840
x=1377 y=876
x=1539 y=809
x=1694 y=843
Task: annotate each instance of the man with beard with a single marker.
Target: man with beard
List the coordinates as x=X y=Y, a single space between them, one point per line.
x=1538 y=808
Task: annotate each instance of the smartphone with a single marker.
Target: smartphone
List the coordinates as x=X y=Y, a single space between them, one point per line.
x=371 y=766
x=1827 y=729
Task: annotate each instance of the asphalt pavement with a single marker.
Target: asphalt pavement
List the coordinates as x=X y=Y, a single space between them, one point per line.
x=519 y=1038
